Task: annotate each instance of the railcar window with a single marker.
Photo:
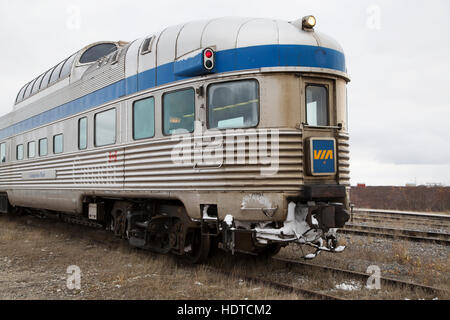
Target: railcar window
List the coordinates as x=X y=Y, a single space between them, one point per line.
x=46 y=79
x=31 y=149
x=233 y=104
x=179 y=111
x=67 y=67
x=56 y=71
x=3 y=152
x=144 y=119
x=19 y=152
x=21 y=92
x=58 y=143
x=37 y=84
x=43 y=147
x=105 y=128
x=28 y=91
x=82 y=133
x=96 y=52
x=24 y=92
x=316 y=105
x=147 y=45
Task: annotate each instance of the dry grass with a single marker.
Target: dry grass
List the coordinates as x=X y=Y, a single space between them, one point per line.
x=34 y=255
x=395 y=259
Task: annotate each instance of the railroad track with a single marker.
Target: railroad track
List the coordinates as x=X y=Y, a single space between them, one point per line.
x=362 y=276
x=352 y=275
x=380 y=217
x=440 y=223
x=277 y=285
x=405 y=234
x=402 y=215
x=394 y=220
x=106 y=238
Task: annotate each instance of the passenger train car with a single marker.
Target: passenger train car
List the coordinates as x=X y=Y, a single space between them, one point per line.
x=229 y=133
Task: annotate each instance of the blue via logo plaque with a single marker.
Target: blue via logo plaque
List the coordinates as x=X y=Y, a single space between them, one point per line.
x=323 y=156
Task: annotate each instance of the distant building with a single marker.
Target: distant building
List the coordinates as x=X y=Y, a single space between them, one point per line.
x=361 y=185
x=433 y=184
x=410 y=185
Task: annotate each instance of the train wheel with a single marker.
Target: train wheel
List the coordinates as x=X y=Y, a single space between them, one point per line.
x=214 y=247
x=270 y=250
x=199 y=246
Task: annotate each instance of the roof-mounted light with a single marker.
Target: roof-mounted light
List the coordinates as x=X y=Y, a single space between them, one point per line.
x=308 y=22
x=208 y=59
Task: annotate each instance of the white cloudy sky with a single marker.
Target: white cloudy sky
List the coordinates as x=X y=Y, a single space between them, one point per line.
x=398 y=56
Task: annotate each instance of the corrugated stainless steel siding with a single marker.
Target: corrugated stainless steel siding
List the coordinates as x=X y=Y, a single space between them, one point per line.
x=344 y=158
x=149 y=166
x=74 y=171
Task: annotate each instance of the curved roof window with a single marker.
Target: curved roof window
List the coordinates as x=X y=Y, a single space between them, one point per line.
x=28 y=91
x=96 y=52
x=37 y=84
x=56 y=72
x=44 y=82
x=67 y=66
x=20 y=94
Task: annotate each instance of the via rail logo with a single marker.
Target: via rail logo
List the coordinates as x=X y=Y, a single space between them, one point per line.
x=323 y=156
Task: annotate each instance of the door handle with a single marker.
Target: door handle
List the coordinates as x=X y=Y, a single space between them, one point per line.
x=200 y=167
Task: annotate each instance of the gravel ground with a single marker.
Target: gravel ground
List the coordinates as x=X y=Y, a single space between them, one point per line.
x=35 y=254
x=418 y=262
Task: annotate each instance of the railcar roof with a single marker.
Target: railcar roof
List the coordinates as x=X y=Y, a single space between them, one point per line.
x=177 y=42
x=63 y=69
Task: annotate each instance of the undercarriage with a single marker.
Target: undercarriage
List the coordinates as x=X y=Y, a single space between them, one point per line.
x=165 y=227
x=313 y=224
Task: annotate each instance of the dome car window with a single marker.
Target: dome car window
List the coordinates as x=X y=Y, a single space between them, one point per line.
x=28 y=91
x=96 y=52
x=56 y=71
x=37 y=84
x=67 y=67
x=233 y=104
x=21 y=92
x=46 y=79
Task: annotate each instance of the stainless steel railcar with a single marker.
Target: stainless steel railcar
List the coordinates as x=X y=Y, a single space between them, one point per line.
x=229 y=132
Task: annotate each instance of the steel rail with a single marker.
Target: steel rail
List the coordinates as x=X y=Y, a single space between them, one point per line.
x=410 y=235
x=277 y=285
x=428 y=215
x=362 y=276
x=387 y=219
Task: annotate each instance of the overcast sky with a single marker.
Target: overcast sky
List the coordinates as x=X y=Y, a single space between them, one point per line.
x=398 y=57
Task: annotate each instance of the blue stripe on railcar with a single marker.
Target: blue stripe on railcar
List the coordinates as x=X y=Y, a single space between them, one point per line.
x=226 y=61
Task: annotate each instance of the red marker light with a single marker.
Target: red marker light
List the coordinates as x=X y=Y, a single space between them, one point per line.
x=208 y=59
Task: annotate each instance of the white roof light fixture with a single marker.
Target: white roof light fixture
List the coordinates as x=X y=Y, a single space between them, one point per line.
x=308 y=22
